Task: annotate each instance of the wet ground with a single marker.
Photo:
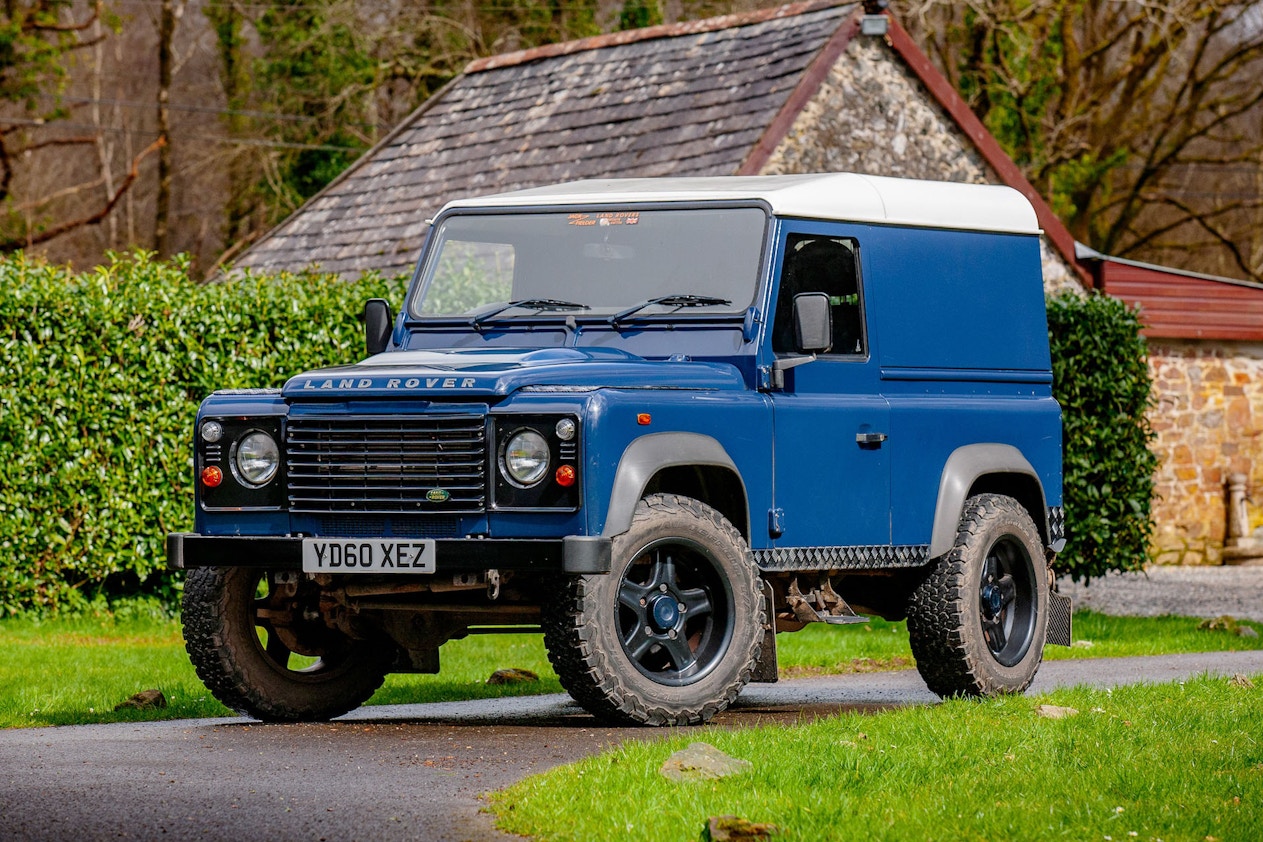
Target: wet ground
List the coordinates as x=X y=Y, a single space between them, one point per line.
x=400 y=772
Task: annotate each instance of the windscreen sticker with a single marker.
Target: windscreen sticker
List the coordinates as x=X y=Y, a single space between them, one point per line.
x=604 y=219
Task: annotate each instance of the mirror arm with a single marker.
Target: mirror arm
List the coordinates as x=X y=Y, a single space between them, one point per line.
x=783 y=364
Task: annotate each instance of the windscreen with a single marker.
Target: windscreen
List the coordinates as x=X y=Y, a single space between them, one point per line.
x=593 y=263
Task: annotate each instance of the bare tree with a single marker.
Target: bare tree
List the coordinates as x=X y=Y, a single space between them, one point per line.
x=38 y=40
x=169 y=16
x=1140 y=121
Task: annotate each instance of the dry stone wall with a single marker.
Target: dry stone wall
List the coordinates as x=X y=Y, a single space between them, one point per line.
x=1208 y=417
x=872 y=115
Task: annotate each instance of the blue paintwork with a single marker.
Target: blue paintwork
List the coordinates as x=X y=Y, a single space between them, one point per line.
x=957 y=354
x=502 y=371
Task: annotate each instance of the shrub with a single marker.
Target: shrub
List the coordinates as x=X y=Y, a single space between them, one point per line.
x=101 y=374
x=1101 y=378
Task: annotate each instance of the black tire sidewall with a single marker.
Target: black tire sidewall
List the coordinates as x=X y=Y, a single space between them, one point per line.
x=222 y=641
x=581 y=629
x=1010 y=522
x=732 y=563
x=945 y=616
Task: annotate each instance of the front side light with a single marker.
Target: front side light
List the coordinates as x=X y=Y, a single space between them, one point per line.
x=526 y=458
x=212 y=431
x=256 y=459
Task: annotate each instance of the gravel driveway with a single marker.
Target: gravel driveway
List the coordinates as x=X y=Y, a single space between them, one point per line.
x=1187 y=591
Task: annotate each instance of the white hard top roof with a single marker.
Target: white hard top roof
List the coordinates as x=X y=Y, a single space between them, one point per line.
x=847 y=197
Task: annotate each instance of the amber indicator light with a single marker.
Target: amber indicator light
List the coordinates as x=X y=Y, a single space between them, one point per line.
x=212 y=476
x=644 y=419
x=565 y=476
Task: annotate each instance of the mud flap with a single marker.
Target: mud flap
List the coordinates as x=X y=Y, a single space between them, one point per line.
x=1059 y=612
x=765 y=668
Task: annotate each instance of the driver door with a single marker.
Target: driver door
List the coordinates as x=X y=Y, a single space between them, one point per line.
x=832 y=465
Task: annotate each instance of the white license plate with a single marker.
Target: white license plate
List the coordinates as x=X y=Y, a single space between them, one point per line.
x=367 y=555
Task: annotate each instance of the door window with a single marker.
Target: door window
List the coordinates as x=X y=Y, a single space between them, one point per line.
x=816 y=263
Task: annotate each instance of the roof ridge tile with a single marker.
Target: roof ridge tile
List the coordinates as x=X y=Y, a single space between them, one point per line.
x=666 y=30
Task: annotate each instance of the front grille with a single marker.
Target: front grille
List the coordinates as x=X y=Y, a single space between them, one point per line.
x=399 y=526
x=414 y=464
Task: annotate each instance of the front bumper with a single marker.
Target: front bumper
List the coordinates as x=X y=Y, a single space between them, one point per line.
x=573 y=554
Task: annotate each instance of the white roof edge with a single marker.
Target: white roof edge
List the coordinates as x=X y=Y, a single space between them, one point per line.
x=848 y=197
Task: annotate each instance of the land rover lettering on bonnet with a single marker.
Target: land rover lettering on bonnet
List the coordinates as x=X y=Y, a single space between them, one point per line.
x=659 y=420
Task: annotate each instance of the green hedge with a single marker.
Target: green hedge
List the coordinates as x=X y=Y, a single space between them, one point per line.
x=100 y=376
x=1101 y=378
x=101 y=373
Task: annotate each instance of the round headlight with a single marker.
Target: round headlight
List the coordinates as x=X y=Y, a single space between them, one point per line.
x=256 y=458
x=526 y=457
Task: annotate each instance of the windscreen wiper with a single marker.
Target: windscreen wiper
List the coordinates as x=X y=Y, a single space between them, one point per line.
x=670 y=301
x=537 y=304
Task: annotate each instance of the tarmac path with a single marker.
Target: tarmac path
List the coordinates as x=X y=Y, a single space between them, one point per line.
x=402 y=772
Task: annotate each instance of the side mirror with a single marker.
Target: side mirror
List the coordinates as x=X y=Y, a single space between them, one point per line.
x=378 y=323
x=813 y=323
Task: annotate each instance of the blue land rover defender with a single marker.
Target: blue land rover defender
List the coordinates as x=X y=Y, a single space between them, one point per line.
x=660 y=420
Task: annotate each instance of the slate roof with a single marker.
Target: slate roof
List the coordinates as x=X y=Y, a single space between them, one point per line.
x=683 y=100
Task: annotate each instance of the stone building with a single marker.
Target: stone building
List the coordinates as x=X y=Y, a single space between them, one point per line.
x=1205 y=339
x=809 y=87
x=795 y=89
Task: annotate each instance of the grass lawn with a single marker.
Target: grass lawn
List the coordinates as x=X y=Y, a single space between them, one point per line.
x=64 y=672
x=1172 y=762
x=72 y=671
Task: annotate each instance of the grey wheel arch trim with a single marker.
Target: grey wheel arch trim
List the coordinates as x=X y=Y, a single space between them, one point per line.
x=963 y=468
x=648 y=455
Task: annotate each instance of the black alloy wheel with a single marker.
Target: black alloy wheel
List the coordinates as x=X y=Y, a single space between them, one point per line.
x=675 y=612
x=672 y=633
x=978 y=618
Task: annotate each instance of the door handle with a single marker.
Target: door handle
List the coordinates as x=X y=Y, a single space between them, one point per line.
x=870 y=439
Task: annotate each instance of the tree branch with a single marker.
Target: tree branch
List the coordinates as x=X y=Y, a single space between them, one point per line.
x=14 y=243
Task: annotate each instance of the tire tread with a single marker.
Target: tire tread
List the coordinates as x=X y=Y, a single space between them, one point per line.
x=585 y=668
x=937 y=617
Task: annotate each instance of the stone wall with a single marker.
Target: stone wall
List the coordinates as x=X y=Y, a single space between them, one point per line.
x=872 y=115
x=1208 y=418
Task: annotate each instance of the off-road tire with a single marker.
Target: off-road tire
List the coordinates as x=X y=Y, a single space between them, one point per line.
x=585 y=629
x=221 y=637
x=951 y=623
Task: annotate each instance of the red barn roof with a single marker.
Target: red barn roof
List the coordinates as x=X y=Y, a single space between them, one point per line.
x=1175 y=304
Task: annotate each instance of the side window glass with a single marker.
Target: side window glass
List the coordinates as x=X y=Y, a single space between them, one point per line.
x=816 y=263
